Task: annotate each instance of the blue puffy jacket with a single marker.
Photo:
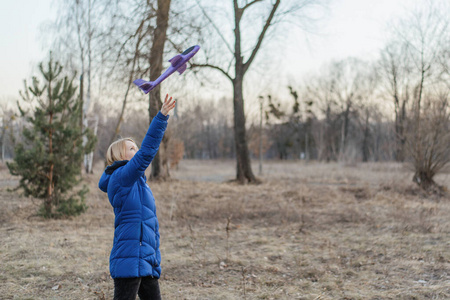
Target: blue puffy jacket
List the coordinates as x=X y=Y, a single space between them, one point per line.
x=135 y=251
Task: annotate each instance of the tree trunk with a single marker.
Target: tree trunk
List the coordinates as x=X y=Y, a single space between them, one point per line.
x=365 y=145
x=156 y=58
x=399 y=156
x=344 y=131
x=49 y=200
x=82 y=104
x=424 y=179
x=243 y=165
x=306 y=146
x=329 y=138
x=243 y=169
x=90 y=170
x=88 y=157
x=400 y=119
x=3 y=142
x=260 y=136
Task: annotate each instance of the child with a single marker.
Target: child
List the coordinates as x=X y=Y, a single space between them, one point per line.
x=135 y=258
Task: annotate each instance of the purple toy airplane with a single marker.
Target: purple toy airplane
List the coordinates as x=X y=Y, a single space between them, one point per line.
x=178 y=63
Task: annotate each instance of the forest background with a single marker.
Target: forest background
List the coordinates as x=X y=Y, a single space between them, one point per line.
x=351 y=109
x=340 y=148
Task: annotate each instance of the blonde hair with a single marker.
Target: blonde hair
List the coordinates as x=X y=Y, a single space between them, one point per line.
x=116 y=150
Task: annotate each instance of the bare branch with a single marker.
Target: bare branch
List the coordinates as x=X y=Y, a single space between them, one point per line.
x=261 y=36
x=215 y=27
x=249 y=4
x=130 y=81
x=212 y=67
x=136 y=33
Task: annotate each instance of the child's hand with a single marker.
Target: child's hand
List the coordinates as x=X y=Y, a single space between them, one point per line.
x=168 y=105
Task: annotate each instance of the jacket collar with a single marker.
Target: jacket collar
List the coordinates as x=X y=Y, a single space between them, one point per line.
x=117 y=164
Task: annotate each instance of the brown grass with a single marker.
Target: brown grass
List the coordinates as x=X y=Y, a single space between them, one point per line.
x=314 y=231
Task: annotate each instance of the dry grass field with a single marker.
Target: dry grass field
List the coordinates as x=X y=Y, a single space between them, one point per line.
x=309 y=231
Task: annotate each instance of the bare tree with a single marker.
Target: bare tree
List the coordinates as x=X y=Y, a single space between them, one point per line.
x=242 y=59
x=320 y=90
x=352 y=84
x=444 y=61
x=395 y=71
x=7 y=118
x=75 y=17
x=431 y=152
x=425 y=34
x=156 y=59
x=204 y=129
x=129 y=42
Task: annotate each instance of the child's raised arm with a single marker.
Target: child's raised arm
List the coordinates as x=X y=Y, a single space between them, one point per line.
x=150 y=145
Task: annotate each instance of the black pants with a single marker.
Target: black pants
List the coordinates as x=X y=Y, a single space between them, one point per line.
x=127 y=288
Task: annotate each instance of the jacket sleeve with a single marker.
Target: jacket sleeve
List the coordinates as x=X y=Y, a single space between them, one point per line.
x=136 y=167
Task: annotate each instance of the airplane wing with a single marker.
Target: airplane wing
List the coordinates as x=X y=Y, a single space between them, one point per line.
x=182 y=69
x=174 y=60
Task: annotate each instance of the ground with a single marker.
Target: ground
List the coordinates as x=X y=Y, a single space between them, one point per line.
x=309 y=231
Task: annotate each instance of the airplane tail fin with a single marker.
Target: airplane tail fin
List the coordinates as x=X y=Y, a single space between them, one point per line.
x=145 y=86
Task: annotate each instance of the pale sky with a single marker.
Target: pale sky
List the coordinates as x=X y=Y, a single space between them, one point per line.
x=21 y=48
x=354 y=28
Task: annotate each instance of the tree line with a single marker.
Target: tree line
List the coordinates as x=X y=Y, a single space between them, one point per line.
x=394 y=107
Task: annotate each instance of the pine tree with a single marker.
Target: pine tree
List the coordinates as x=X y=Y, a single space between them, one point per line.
x=50 y=158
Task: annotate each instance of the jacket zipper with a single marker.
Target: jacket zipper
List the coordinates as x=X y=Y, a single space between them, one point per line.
x=140 y=242
x=142 y=225
x=140 y=238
